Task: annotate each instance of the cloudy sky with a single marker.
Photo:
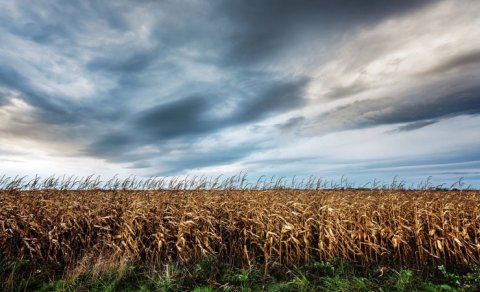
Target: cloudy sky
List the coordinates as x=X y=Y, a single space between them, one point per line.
x=368 y=89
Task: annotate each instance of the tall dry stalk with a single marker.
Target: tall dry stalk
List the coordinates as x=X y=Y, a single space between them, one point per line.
x=242 y=227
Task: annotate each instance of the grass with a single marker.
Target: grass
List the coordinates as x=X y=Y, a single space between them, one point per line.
x=210 y=275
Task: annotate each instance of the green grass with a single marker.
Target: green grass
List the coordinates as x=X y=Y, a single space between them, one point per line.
x=211 y=276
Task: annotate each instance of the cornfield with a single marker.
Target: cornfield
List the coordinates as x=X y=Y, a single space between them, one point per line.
x=243 y=227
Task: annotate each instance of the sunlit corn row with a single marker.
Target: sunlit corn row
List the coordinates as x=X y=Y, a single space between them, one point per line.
x=266 y=228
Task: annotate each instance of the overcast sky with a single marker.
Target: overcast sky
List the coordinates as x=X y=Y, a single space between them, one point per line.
x=368 y=89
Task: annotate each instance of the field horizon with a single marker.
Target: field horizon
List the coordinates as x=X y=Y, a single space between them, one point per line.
x=239 y=181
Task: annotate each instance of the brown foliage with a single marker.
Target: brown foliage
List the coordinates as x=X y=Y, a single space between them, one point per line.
x=242 y=227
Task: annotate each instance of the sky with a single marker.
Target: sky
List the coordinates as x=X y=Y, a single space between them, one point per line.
x=366 y=89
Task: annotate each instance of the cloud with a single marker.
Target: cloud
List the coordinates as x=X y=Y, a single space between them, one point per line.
x=191 y=118
x=193 y=160
x=54 y=23
x=263 y=30
x=391 y=58
x=346 y=91
x=178 y=118
x=4 y=97
x=279 y=97
x=405 y=109
x=380 y=152
x=129 y=64
x=162 y=87
x=457 y=62
x=291 y=124
x=416 y=125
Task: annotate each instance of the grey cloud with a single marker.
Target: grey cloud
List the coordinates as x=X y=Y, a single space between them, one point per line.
x=189 y=118
x=58 y=23
x=141 y=164
x=194 y=159
x=172 y=157
x=56 y=111
x=385 y=111
x=292 y=123
x=458 y=103
x=266 y=27
x=457 y=62
x=4 y=99
x=55 y=118
x=114 y=145
x=194 y=27
x=67 y=26
x=416 y=125
x=47 y=33
x=178 y=118
x=131 y=63
x=469 y=157
x=278 y=98
x=346 y=91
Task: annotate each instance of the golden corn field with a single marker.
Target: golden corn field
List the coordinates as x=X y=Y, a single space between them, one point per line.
x=264 y=228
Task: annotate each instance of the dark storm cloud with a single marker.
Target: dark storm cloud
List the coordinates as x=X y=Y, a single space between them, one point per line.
x=267 y=27
x=385 y=111
x=113 y=145
x=190 y=115
x=190 y=118
x=178 y=118
x=458 y=103
x=279 y=97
